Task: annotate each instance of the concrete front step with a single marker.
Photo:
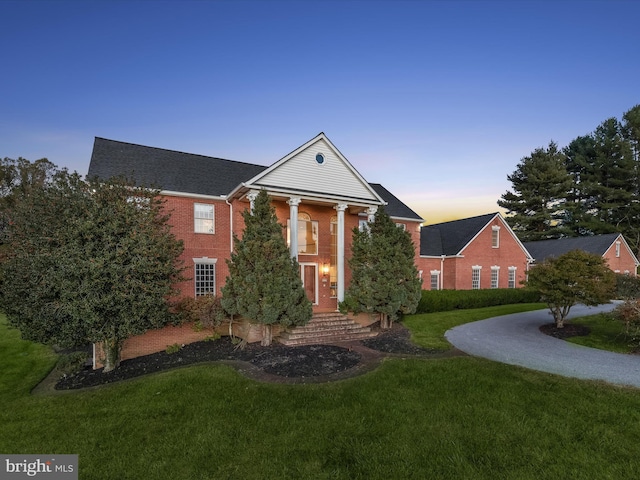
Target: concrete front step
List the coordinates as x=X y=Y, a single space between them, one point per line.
x=325 y=328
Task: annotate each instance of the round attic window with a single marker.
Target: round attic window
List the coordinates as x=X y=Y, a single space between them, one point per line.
x=320 y=158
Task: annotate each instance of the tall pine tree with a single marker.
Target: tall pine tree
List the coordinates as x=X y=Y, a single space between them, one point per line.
x=384 y=276
x=541 y=184
x=264 y=284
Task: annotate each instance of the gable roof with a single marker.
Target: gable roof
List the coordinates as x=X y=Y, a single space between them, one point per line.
x=395 y=208
x=450 y=238
x=168 y=170
x=174 y=171
x=299 y=172
x=540 y=250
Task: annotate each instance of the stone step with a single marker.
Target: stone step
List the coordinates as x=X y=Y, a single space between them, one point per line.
x=352 y=329
x=326 y=327
x=326 y=339
x=334 y=324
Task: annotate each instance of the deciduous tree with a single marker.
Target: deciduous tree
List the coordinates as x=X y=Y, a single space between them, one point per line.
x=575 y=277
x=90 y=262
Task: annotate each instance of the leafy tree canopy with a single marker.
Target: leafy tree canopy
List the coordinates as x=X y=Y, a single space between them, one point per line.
x=575 y=277
x=88 y=262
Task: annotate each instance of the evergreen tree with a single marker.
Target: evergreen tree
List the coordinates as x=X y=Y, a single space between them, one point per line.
x=264 y=284
x=541 y=184
x=604 y=196
x=89 y=262
x=384 y=278
x=581 y=198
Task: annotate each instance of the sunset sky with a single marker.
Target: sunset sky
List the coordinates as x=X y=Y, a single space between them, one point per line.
x=436 y=100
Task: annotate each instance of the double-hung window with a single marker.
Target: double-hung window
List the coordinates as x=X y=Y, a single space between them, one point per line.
x=435 y=279
x=475 y=277
x=512 y=277
x=495 y=275
x=203 y=218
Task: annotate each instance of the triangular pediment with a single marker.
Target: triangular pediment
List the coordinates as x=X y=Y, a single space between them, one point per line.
x=316 y=169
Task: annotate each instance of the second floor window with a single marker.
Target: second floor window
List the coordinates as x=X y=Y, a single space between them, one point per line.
x=307 y=234
x=203 y=218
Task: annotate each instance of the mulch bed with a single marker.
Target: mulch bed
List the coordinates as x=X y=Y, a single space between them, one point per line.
x=569 y=330
x=309 y=361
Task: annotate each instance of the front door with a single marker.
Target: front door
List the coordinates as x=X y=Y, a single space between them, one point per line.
x=309 y=275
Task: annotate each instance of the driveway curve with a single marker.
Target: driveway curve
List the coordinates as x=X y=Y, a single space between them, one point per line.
x=516 y=340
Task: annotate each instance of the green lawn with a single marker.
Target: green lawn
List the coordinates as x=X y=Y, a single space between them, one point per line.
x=606 y=333
x=457 y=418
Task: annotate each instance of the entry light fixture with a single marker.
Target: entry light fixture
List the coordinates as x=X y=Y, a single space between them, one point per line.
x=325 y=269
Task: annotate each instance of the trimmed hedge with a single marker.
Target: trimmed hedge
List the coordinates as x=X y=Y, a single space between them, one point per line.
x=445 y=300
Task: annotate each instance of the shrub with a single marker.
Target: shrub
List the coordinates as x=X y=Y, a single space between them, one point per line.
x=204 y=312
x=175 y=348
x=629 y=314
x=71 y=363
x=446 y=300
x=627 y=287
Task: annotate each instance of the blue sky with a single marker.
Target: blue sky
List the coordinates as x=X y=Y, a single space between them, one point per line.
x=438 y=101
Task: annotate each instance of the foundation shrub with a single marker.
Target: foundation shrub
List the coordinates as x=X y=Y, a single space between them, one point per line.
x=71 y=363
x=446 y=300
x=204 y=312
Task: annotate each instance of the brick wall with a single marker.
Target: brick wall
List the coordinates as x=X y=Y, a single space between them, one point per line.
x=622 y=262
x=457 y=271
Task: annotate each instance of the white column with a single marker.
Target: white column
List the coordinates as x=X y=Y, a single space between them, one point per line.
x=340 y=208
x=371 y=214
x=252 y=198
x=293 y=226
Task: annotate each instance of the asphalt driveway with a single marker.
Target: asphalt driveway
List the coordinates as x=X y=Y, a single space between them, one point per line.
x=516 y=340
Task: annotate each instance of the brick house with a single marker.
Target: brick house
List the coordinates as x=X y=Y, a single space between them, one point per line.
x=472 y=253
x=612 y=247
x=314 y=184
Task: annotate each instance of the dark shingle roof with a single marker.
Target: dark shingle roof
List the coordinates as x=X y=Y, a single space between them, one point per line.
x=449 y=238
x=597 y=244
x=174 y=171
x=394 y=207
x=167 y=169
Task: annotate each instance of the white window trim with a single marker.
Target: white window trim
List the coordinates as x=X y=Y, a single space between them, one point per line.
x=512 y=274
x=618 y=249
x=476 y=268
x=434 y=273
x=495 y=270
x=204 y=261
x=495 y=229
x=196 y=218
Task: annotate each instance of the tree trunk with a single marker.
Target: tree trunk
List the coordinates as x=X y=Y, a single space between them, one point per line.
x=267 y=335
x=385 y=322
x=111 y=354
